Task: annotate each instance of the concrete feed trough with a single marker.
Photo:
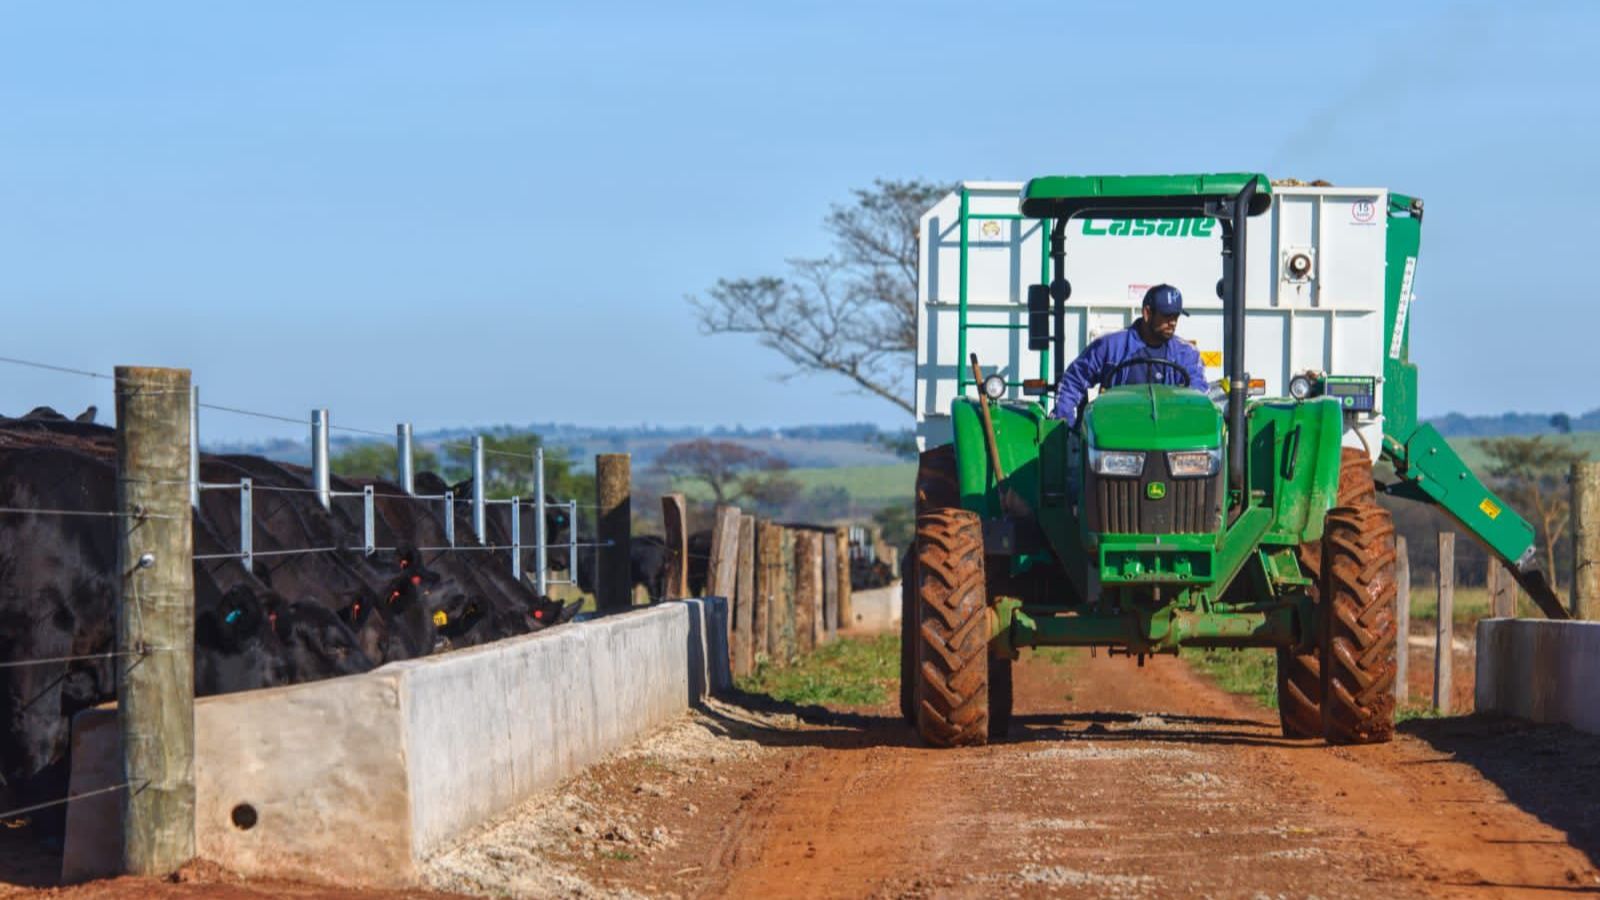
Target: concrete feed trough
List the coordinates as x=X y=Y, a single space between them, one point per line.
x=358 y=780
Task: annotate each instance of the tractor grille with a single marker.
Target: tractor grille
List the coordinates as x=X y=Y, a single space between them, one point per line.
x=1123 y=506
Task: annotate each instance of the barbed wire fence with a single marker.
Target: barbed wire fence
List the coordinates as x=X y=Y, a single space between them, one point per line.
x=321 y=476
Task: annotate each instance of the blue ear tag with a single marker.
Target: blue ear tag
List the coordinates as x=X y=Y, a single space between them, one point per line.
x=233 y=616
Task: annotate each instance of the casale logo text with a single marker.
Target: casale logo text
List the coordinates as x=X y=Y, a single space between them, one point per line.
x=1200 y=228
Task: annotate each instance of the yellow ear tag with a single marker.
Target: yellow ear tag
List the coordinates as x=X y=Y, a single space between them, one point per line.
x=440 y=619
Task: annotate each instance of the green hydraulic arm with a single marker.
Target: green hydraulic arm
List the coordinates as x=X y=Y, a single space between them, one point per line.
x=1428 y=468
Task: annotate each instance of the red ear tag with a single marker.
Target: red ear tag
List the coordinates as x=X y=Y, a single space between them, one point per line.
x=393 y=596
x=539 y=614
x=416 y=579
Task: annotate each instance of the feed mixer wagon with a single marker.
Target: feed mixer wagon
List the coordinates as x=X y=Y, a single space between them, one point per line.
x=1167 y=517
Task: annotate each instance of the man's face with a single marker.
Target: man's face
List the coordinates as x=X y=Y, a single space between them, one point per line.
x=1159 y=325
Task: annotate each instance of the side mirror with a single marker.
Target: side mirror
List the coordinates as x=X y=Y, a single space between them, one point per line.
x=1038 y=317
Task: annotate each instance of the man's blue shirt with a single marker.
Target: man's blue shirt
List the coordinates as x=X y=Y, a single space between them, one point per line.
x=1106 y=352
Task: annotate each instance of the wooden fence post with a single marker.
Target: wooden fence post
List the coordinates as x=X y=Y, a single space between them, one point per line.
x=155 y=623
x=1586 y=540
x=1402 y=619
x=744 y=643
x=769 y=572
x=1502 y=590
x=829 y=628
x=810 y=627
x=722 y=570
x=846 y=610
x=788 y=646
x=1443 y=656
x=675 y=525
x=614 y=493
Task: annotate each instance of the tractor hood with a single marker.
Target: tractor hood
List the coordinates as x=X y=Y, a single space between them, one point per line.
x=1153 y=417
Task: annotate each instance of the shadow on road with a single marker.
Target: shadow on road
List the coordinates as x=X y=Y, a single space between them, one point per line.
x=834 y=729
x=1549 y=771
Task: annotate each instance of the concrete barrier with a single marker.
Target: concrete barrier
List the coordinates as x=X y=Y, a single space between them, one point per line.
x=358 y=780
x=875 y=610
x=1540 y=670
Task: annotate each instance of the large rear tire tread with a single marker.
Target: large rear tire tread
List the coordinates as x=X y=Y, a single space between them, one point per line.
x=937 y=484
x=1359 y=632
x=952 y=687
x=1300 y=674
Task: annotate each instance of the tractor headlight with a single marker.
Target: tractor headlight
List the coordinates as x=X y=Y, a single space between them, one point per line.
x=1117 y=463
x=1300 y=387
x=1194 y=463
x=994 y=387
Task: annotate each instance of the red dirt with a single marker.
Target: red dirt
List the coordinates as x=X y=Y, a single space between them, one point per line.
x=1115 y=781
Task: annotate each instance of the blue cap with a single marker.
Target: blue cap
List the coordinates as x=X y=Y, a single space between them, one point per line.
x=1164 y=299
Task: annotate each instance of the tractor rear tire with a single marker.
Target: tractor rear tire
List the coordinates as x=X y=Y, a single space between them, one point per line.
x=937 y=484
x=1300 y=674
x=952 y=683
x=999 y=697
x=1358 y=626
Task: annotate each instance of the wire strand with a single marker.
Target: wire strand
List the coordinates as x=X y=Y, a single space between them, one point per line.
x=83 y=512
x=10 y=813
x=19 y=663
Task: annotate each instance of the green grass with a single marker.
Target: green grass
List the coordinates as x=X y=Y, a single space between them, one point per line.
x=1252 y=672
x=847 y=672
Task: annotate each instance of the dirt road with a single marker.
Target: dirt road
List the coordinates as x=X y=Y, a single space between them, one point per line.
x=1116 y=781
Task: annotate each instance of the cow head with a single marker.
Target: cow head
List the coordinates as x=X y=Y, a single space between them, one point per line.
x=316 y=643
x=458 y=622
x=547 y=612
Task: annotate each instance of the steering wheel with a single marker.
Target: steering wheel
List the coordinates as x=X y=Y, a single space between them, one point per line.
x=1147 y=361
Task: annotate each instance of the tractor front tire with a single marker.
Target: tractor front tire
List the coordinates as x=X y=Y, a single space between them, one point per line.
x=1358 y=625
x=1300 y=674
x=952 y=683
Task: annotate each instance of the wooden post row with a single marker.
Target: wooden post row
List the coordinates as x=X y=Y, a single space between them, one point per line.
x=613 y=492
x=155 y=623
x=1443 y=645
x=1402 y=620
x=675 y=522
x=744 y=605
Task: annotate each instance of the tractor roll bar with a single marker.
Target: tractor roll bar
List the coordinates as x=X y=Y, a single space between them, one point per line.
x=1236 y=216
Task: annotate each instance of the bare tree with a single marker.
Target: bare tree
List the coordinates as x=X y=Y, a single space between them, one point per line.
x=1532 y=471
x=853 y=313
x=732 y=471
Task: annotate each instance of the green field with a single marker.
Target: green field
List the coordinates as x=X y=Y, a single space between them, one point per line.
x=867 y=485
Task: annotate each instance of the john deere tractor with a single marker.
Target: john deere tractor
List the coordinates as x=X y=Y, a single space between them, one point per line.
x=1169 y=517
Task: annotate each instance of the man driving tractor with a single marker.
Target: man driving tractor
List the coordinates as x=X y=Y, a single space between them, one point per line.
x=1113 y=359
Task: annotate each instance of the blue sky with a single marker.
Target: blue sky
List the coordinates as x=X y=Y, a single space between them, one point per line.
x=477 y=212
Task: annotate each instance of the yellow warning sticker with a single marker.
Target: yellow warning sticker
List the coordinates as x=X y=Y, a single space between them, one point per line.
x=1489 y=508
x=1211 y=359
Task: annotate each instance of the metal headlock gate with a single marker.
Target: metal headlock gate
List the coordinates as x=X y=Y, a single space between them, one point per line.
x=321 y=480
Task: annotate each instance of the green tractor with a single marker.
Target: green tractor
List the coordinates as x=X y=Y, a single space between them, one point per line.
x=1170 y=518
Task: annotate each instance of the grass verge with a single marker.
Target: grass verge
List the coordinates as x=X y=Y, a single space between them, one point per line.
x=847 y=672
x=1253 y=672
